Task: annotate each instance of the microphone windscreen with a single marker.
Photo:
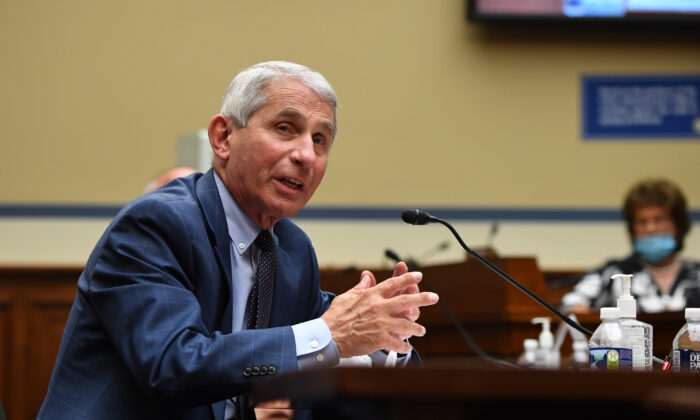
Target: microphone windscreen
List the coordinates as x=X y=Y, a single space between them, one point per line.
x=410 y=216
x=416 y=217
x=392 y=255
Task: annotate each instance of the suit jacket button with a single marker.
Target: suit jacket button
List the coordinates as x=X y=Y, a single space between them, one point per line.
x=271 y=369
x=256 y=370
x=247 y=371
x=263 y=370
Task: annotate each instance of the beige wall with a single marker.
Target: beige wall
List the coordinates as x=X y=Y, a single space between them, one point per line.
x=434 y=111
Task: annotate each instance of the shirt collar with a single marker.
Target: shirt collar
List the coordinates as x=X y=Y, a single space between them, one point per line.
x=241 y=229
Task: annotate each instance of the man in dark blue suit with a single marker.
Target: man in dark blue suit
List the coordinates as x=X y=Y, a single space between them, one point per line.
x=161 y=324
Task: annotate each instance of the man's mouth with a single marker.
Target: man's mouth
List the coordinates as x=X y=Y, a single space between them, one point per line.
x=291 y=183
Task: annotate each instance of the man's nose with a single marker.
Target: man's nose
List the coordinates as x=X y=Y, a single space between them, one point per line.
x=304 y=154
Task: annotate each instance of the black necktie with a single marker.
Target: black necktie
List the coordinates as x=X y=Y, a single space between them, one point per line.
x=260 y=297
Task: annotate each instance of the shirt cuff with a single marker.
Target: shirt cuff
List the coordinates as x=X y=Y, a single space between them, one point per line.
x=314 y=344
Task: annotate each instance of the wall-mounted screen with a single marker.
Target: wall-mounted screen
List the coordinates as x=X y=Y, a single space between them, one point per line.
x=581 y=10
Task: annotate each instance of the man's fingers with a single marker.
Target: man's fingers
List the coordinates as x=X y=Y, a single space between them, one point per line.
x=367 y=281
x=400 y=269
x=400 y=331
x=391 y=286
x=404 y=328
x=401 y=303
x=413 y=288
x=372 y=279
x=410 y=314
x=398 y=345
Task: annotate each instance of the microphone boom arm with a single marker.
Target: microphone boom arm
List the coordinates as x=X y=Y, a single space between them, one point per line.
x=510 y=280
x=420 y=217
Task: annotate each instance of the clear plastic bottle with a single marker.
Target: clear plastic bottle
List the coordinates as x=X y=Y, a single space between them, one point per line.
x=609 y=347
x=639 y=333
x=686 y=344
x=527 y=359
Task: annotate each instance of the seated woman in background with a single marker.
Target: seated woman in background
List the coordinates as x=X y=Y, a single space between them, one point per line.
x=657 y=220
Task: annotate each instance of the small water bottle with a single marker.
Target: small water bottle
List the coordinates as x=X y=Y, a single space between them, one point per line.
x=686 y=344
x=609 y=347
x=527 y=359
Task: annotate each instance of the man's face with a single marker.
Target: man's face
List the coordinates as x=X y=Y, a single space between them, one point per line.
x=277 y=162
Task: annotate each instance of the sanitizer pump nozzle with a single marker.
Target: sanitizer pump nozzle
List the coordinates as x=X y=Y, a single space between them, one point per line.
x=626 y=303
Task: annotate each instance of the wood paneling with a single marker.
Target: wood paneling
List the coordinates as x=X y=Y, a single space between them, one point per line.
x=4 y=346
x=34 y=307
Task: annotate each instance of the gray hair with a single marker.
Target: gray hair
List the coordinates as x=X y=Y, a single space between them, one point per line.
x=246 y=93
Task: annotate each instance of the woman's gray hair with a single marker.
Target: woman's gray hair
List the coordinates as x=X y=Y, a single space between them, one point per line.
x=246 y=93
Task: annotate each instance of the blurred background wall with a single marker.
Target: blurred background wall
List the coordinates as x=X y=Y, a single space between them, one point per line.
x=434 y=112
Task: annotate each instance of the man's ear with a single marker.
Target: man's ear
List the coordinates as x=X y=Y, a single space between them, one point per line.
x=219 y=132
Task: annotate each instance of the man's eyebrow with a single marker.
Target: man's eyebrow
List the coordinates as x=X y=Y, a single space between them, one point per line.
x=289 y=113
x=294 y=114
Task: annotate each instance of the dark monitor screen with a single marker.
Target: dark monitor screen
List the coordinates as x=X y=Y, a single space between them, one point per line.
x=645 y=11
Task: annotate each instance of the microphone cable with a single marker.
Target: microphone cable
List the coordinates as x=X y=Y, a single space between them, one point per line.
x=455 y=322
x=466 y=337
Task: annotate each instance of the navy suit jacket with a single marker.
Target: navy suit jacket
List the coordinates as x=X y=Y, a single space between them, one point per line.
x=149 y=335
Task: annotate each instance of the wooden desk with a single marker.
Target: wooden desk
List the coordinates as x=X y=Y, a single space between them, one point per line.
x=476 y=391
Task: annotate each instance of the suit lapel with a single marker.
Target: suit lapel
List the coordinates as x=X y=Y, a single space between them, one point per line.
x=210 y=203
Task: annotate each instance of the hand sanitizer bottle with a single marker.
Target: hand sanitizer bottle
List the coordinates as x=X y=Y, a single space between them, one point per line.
x=686 y=345
x=527 y=359
x=639 y=333
x=609 y=347
x=544 y=357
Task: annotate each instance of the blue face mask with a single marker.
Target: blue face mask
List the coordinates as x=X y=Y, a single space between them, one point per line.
x=655 y=248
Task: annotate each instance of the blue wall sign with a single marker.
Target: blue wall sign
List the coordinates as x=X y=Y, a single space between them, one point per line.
x=641 y=106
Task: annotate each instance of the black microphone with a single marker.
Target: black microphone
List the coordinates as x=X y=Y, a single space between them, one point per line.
x=392 y=255
x=420 y=217
x=410 y=263
x=417 y=217
x=492 y=234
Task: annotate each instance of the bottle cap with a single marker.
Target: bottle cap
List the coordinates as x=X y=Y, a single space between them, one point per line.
x=530 y=344
x=692 y=314
x=609 y=313
x=626 y=303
